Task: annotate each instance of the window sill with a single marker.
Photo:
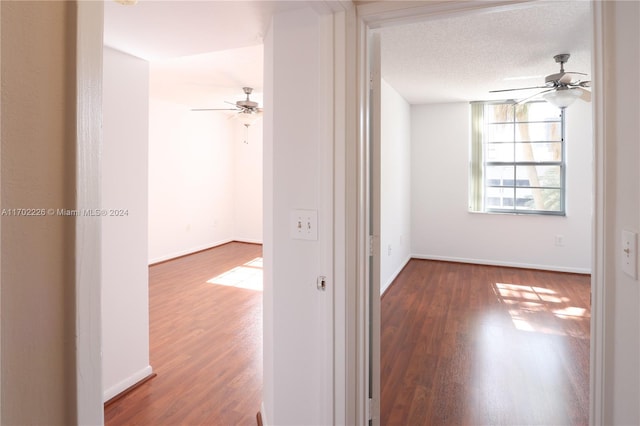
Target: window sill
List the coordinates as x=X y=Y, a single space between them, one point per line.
x=563 y=214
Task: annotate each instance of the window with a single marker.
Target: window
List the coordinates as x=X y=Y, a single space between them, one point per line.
x=517 y=158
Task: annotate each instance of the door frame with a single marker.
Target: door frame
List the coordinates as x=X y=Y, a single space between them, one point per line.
x=375 y=15
x=88 y=235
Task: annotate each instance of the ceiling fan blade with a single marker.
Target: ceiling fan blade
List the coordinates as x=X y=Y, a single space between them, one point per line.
x=250 y=110
x=553 y=79
x=565 y=79
x=214 y=109
x=247 y=106
x=520 y=88
x=585 y=95
x=561 y=77
x=575 y=72
x=579 y=84
x=521 y=101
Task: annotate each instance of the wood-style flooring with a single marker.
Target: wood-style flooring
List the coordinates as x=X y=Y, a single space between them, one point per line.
x=205 y=342
x=461 y=345
x=481 y=345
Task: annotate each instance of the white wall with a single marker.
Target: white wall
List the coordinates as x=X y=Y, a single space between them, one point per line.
x=395 y=182
x=621 y=57
x=205 y=183
x=125 y=296
x=298 y=344
x=247 y=183
x=190 y=180
x=442 y=227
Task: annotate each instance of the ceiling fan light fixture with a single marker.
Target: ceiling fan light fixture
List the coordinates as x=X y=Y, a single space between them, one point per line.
x=562 y=98
x=248 y=118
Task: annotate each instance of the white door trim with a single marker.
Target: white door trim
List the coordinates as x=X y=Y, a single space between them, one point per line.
x=88 y=308
x=381 y=14
x=597 y=364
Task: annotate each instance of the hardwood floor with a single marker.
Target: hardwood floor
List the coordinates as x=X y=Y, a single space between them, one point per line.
x=481 y=345
x=205 y=342
x=461 y=345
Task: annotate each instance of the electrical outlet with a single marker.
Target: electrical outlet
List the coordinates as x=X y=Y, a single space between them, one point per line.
x=559 y=240
x=304 y=224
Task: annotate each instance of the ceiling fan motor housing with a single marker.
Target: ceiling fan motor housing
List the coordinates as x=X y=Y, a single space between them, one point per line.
x=561 y=79
x=247 y=104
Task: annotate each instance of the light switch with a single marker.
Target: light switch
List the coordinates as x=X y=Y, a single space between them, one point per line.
x=629 y=253
x=304 y=224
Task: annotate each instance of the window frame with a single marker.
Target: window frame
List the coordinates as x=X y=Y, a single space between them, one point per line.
x=485 y=186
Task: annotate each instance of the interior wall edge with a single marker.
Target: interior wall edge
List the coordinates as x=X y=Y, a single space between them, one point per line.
x=384 y=287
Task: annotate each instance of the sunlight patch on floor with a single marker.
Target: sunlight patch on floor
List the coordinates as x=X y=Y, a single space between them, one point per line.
x=571 y=311
x=247 y=276
x=532 y=309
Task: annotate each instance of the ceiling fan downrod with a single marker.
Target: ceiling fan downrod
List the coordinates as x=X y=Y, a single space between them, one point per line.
x=562 y=59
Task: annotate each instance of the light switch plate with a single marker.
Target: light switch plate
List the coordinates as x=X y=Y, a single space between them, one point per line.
x=304 y=224
x=629 y=252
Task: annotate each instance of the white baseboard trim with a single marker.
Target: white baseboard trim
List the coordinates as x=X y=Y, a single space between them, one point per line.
x=187 y=251
x=384 y=287
x=263 y=414
x=200 y=248
x=554 y=268
x=247 y=240
x=126 y=383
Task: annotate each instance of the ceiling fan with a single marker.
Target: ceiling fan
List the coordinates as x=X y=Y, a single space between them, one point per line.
x=248 y=110
x=561 y=88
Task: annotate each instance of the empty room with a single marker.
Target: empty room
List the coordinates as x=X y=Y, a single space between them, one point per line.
x=182 y=263
x=485 y=217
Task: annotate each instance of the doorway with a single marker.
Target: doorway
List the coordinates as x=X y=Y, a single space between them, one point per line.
x=375 y=18
x=186 y=200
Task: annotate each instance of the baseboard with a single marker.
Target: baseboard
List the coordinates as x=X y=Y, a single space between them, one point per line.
x=384 y=287
x=247 y=240
x=128 y=384
x=187 y=252
x=197 y=249
x=502 y=263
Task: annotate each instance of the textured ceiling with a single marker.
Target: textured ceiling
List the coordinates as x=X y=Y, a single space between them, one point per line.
x=209 y=79
x=152 y=29
x=201 y=53
x=462 y=58
x=204 y=52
